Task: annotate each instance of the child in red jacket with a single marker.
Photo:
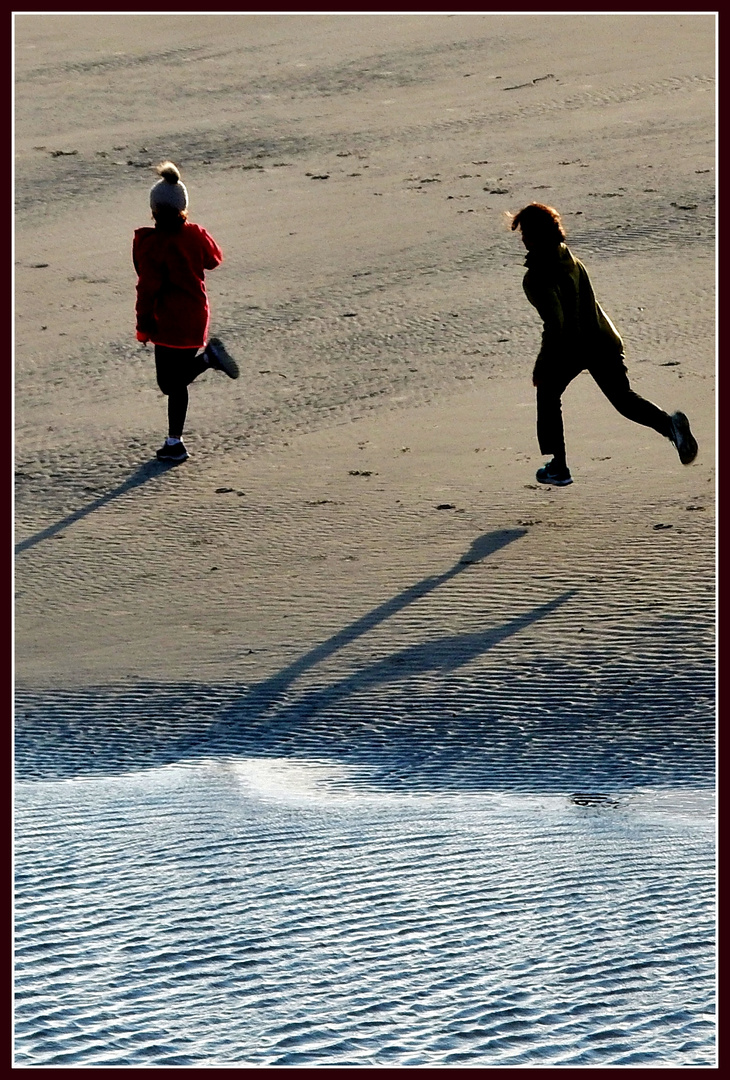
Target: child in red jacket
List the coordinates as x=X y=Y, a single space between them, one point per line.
x=172 y=304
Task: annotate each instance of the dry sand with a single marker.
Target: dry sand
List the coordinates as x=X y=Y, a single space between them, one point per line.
x=384 y=340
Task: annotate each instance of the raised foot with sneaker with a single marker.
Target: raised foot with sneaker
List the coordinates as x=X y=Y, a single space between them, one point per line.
x=219 y=359
x=172 y=452
x=557 y=475
x=683 y=438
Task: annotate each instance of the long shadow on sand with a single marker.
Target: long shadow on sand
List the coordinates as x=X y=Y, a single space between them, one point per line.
x=262 y=695
x=412 y=719
x=145 y=472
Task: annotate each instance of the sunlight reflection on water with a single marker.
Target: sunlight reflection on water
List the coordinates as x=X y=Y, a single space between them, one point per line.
x=284 y=911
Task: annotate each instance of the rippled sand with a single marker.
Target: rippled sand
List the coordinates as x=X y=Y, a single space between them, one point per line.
x=346 y=742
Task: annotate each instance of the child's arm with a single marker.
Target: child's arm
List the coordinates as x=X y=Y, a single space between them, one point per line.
x=149 y=282
x=212 y=254
x=546 y=299
x=146 y=294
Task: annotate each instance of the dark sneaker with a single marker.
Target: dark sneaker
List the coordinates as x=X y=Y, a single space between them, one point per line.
x=557 y=475
x=219 y=359
x=683 y=438
x=174 y=453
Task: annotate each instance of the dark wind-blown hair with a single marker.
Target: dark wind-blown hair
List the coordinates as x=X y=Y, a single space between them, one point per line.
x=541 y=225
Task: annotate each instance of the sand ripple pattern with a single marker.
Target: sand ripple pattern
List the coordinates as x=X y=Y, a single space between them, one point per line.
x=245 y=911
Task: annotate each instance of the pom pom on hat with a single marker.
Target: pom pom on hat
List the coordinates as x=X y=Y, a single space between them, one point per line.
x=169 y=189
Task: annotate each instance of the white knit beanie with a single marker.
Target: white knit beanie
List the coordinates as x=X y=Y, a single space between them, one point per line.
x=169 y=190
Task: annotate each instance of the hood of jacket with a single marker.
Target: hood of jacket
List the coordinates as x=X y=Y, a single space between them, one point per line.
x=550 y=257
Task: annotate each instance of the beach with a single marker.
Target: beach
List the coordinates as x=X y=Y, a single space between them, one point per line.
x=353 y=622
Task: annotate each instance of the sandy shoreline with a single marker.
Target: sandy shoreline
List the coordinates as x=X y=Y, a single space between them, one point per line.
x=373 y=311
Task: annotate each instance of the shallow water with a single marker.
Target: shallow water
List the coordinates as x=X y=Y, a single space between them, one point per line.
x=342 y=903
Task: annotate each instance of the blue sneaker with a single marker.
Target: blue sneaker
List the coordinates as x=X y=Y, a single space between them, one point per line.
x=557 y=475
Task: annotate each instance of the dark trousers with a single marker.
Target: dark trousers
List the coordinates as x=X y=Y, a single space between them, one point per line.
x=176 y=369
x=609 y=371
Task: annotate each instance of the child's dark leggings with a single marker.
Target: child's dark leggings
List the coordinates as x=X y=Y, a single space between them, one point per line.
x=610 y=374
x=176 y=369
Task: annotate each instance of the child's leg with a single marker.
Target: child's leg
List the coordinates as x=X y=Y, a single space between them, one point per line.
x=177 y=409
x=610 y=374
x=193 y=365
x=551 y=376
x=550 y=431
x=176 y=369
x=551 y=382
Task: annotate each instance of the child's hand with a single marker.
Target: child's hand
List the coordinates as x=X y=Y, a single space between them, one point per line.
x=144 y=338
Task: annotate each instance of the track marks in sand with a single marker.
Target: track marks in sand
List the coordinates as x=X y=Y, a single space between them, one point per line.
x=259 y=91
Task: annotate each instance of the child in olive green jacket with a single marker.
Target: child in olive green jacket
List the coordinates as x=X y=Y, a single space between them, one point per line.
x=577 y=335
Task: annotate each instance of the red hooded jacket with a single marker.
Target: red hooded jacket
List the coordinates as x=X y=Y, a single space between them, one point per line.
x=172 y=304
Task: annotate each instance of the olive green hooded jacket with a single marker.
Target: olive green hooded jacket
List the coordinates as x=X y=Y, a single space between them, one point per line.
x=575 y=327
